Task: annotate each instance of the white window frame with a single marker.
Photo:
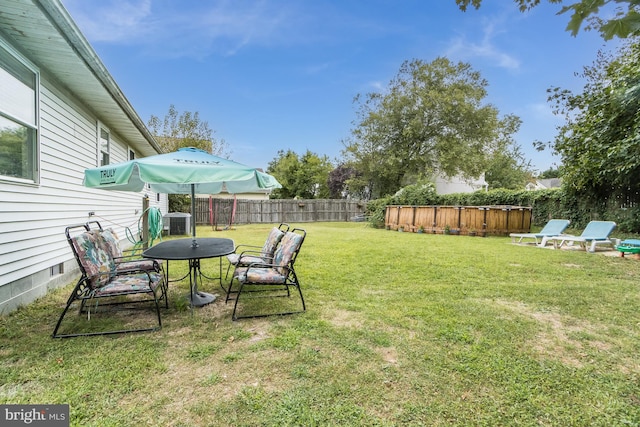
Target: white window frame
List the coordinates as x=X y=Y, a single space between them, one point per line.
x=132 y=154
x=99 y=143
x=32 y=123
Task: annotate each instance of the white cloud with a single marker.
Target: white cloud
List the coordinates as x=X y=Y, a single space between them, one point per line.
x=485 y=48
x=318 y=68
x=170 y=29
x=377 y=86
x=542 y=111
x=113 y=20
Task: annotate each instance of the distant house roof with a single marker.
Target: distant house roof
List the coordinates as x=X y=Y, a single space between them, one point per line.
x=551 y=182
x=47 y=34
x=543 y=184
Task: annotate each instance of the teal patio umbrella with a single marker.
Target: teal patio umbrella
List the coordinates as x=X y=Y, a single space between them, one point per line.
x=185 y=171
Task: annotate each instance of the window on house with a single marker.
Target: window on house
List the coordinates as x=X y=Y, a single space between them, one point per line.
x=18 y=118
x=132 y=154
x=105 y=146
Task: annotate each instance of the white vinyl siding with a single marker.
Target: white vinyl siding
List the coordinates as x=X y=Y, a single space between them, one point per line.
x=52 y=115
x=34 y=218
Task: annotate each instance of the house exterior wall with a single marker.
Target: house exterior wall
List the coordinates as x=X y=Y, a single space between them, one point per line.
x=457 y=184
x=33 y=217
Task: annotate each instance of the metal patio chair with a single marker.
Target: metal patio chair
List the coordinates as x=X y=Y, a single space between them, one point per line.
x=273 y=278
x=102 y=286
x=245 y=255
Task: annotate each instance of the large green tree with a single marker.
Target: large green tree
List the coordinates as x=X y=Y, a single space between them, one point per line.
x=185 y=129
x=304 y=177
x=177 y=130
x=551 y=173
x=338 y=181
x=431 y=119
x=600 y=142
x=507 y=166
x=625 y=22
x=508 y=169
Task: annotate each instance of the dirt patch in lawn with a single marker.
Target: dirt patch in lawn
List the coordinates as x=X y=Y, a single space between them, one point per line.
x=556 y=338
x=389 y=355
x=346 y=319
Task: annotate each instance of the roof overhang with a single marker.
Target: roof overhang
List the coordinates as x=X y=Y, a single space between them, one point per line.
x=45 y=33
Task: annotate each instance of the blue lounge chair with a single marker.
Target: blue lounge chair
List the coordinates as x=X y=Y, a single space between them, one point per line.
x=553 y=228
x=595 y=233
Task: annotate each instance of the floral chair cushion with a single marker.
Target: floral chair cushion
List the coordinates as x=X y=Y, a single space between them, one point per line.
x=128 y=284
x=270 y=245
x=288 y=246
x=126 y=262
x=139 y=264
x=278 y=272
x=260 y=275
x=245 y=259
x=94 y=257
x=113 y=243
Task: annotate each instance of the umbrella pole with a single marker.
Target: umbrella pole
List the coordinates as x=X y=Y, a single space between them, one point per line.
x=193 y=216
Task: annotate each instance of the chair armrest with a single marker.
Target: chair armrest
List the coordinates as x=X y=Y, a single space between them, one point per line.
x=254 y=254
x=125 y=260
x=246 y=246
x=266 y=259
x=129 y=271
x=128 y=253
x=262 y=265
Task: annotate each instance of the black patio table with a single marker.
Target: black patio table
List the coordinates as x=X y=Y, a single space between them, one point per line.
x=184 y=249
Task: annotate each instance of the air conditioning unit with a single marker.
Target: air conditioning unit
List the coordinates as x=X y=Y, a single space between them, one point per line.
x=177 y=223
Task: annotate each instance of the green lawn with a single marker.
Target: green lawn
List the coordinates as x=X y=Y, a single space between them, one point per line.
x=401 y=329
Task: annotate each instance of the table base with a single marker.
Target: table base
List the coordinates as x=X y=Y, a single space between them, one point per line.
x=199 y=299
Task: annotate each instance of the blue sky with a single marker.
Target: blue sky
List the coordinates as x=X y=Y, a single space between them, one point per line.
x=271 y=75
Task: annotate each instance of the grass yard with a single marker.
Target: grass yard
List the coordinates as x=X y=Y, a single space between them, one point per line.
x=400 y=329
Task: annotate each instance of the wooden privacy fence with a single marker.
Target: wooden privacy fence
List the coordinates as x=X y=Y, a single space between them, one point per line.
x=224 y=212
x=483 y=220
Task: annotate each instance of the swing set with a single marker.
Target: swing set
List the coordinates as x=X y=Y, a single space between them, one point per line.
x=222 y=213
